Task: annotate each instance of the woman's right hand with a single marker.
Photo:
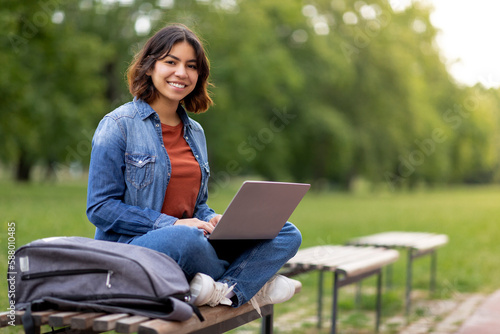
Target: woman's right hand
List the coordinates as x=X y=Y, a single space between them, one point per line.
x=203 y=225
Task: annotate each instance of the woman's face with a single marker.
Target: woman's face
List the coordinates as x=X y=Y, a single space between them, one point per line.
x=176 y=75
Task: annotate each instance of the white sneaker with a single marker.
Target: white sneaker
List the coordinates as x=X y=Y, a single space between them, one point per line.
x=205 y=291
x=277 y=290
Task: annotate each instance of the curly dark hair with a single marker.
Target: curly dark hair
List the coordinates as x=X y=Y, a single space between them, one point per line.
x=157 y=48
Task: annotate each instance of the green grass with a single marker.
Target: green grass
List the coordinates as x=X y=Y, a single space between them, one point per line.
x=468 y=215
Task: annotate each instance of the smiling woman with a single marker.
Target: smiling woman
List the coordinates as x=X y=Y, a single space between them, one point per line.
x=148 y=180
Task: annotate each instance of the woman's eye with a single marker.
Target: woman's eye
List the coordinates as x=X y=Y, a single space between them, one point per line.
x=169 y=61
x=194 y=67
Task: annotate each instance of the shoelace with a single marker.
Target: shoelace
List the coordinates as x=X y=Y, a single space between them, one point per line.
x=219 y=294
x=256 y=306
x=262 y=292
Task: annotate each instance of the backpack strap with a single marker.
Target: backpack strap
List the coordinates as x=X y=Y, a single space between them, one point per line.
x=196 y=311
x=28 y=321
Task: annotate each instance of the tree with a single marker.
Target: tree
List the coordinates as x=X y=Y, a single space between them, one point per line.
x=328 y=91
x=53 y=85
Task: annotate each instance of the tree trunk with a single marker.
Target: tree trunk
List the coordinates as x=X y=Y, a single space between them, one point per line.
x=23 y=169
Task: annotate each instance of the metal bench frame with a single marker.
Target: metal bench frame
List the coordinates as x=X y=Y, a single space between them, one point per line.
x=346 y=271
x=417 y=245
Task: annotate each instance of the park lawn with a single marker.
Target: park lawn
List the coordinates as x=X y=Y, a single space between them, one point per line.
x=468 y=215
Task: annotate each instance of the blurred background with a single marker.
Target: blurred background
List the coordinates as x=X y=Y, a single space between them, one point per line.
x=336 y=93
x=372 y=101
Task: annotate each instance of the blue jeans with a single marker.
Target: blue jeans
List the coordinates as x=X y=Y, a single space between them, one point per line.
x=248 y=264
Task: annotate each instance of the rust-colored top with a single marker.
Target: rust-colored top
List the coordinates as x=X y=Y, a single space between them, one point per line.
x=185 y=181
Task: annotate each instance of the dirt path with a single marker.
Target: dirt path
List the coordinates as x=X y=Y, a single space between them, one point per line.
x=438 y=316
x=433 y=316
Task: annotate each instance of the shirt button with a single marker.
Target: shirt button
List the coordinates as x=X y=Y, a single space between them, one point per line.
x=140 y=161
x=157 y=125
x=196 y=156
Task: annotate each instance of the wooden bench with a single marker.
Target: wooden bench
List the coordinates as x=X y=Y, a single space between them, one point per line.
x=217 y=320
x=349 y=264
x=417 y=245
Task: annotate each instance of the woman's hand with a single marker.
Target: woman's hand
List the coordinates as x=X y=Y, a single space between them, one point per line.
x=215 y=220
x=207 y=227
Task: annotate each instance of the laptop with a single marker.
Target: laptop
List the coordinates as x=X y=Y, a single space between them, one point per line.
x=259 y=210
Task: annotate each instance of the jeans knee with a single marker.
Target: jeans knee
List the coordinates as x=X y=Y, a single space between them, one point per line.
x=291 y=237
x=191 y=242
x=174 y=241
x=296 y=239
x=196 y=254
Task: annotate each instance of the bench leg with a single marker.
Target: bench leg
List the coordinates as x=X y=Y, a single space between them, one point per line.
x=320 y=297
x=340 y=281
x=409 y=268
x=388 y=279
x=432 y=286
x=357 y=299
x=413 y=254
x=267 y=324
x=334 y=302
x=379 y=301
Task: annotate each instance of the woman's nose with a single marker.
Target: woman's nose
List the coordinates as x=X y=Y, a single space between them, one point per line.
x=181 y=71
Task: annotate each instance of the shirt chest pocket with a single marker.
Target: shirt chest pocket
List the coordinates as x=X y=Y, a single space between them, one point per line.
x=139 y=169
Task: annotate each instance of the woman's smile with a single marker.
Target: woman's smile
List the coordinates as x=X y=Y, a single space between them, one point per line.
x=176 y=85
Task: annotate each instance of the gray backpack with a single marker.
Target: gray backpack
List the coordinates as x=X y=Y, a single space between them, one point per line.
x=82 y=274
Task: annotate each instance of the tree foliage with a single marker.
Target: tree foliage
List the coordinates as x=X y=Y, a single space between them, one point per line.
x=319 y=91
x=52 y=86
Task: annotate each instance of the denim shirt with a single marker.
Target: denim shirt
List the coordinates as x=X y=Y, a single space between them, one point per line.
x=130 y=170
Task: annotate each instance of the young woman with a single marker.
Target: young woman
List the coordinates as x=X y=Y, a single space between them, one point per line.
x=149 y=173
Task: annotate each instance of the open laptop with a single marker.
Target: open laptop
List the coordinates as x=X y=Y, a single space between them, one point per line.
x=259 y=210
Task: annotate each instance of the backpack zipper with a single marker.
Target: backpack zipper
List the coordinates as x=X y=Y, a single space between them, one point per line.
x=47 y=274
x=108 y=278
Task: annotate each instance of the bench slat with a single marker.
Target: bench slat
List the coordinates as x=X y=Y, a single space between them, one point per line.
x=358 y=254
x=375 y=261
x=432 y=242
x=39 y=318
x=84 y=320
x=417 y=240
x=61 y=319
x=320 y=255
x=130 y=324
x=107 y=322
x=212 y=315
x=42 y=317
x=349 y=259
x=5 y=319
x=391 y=238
